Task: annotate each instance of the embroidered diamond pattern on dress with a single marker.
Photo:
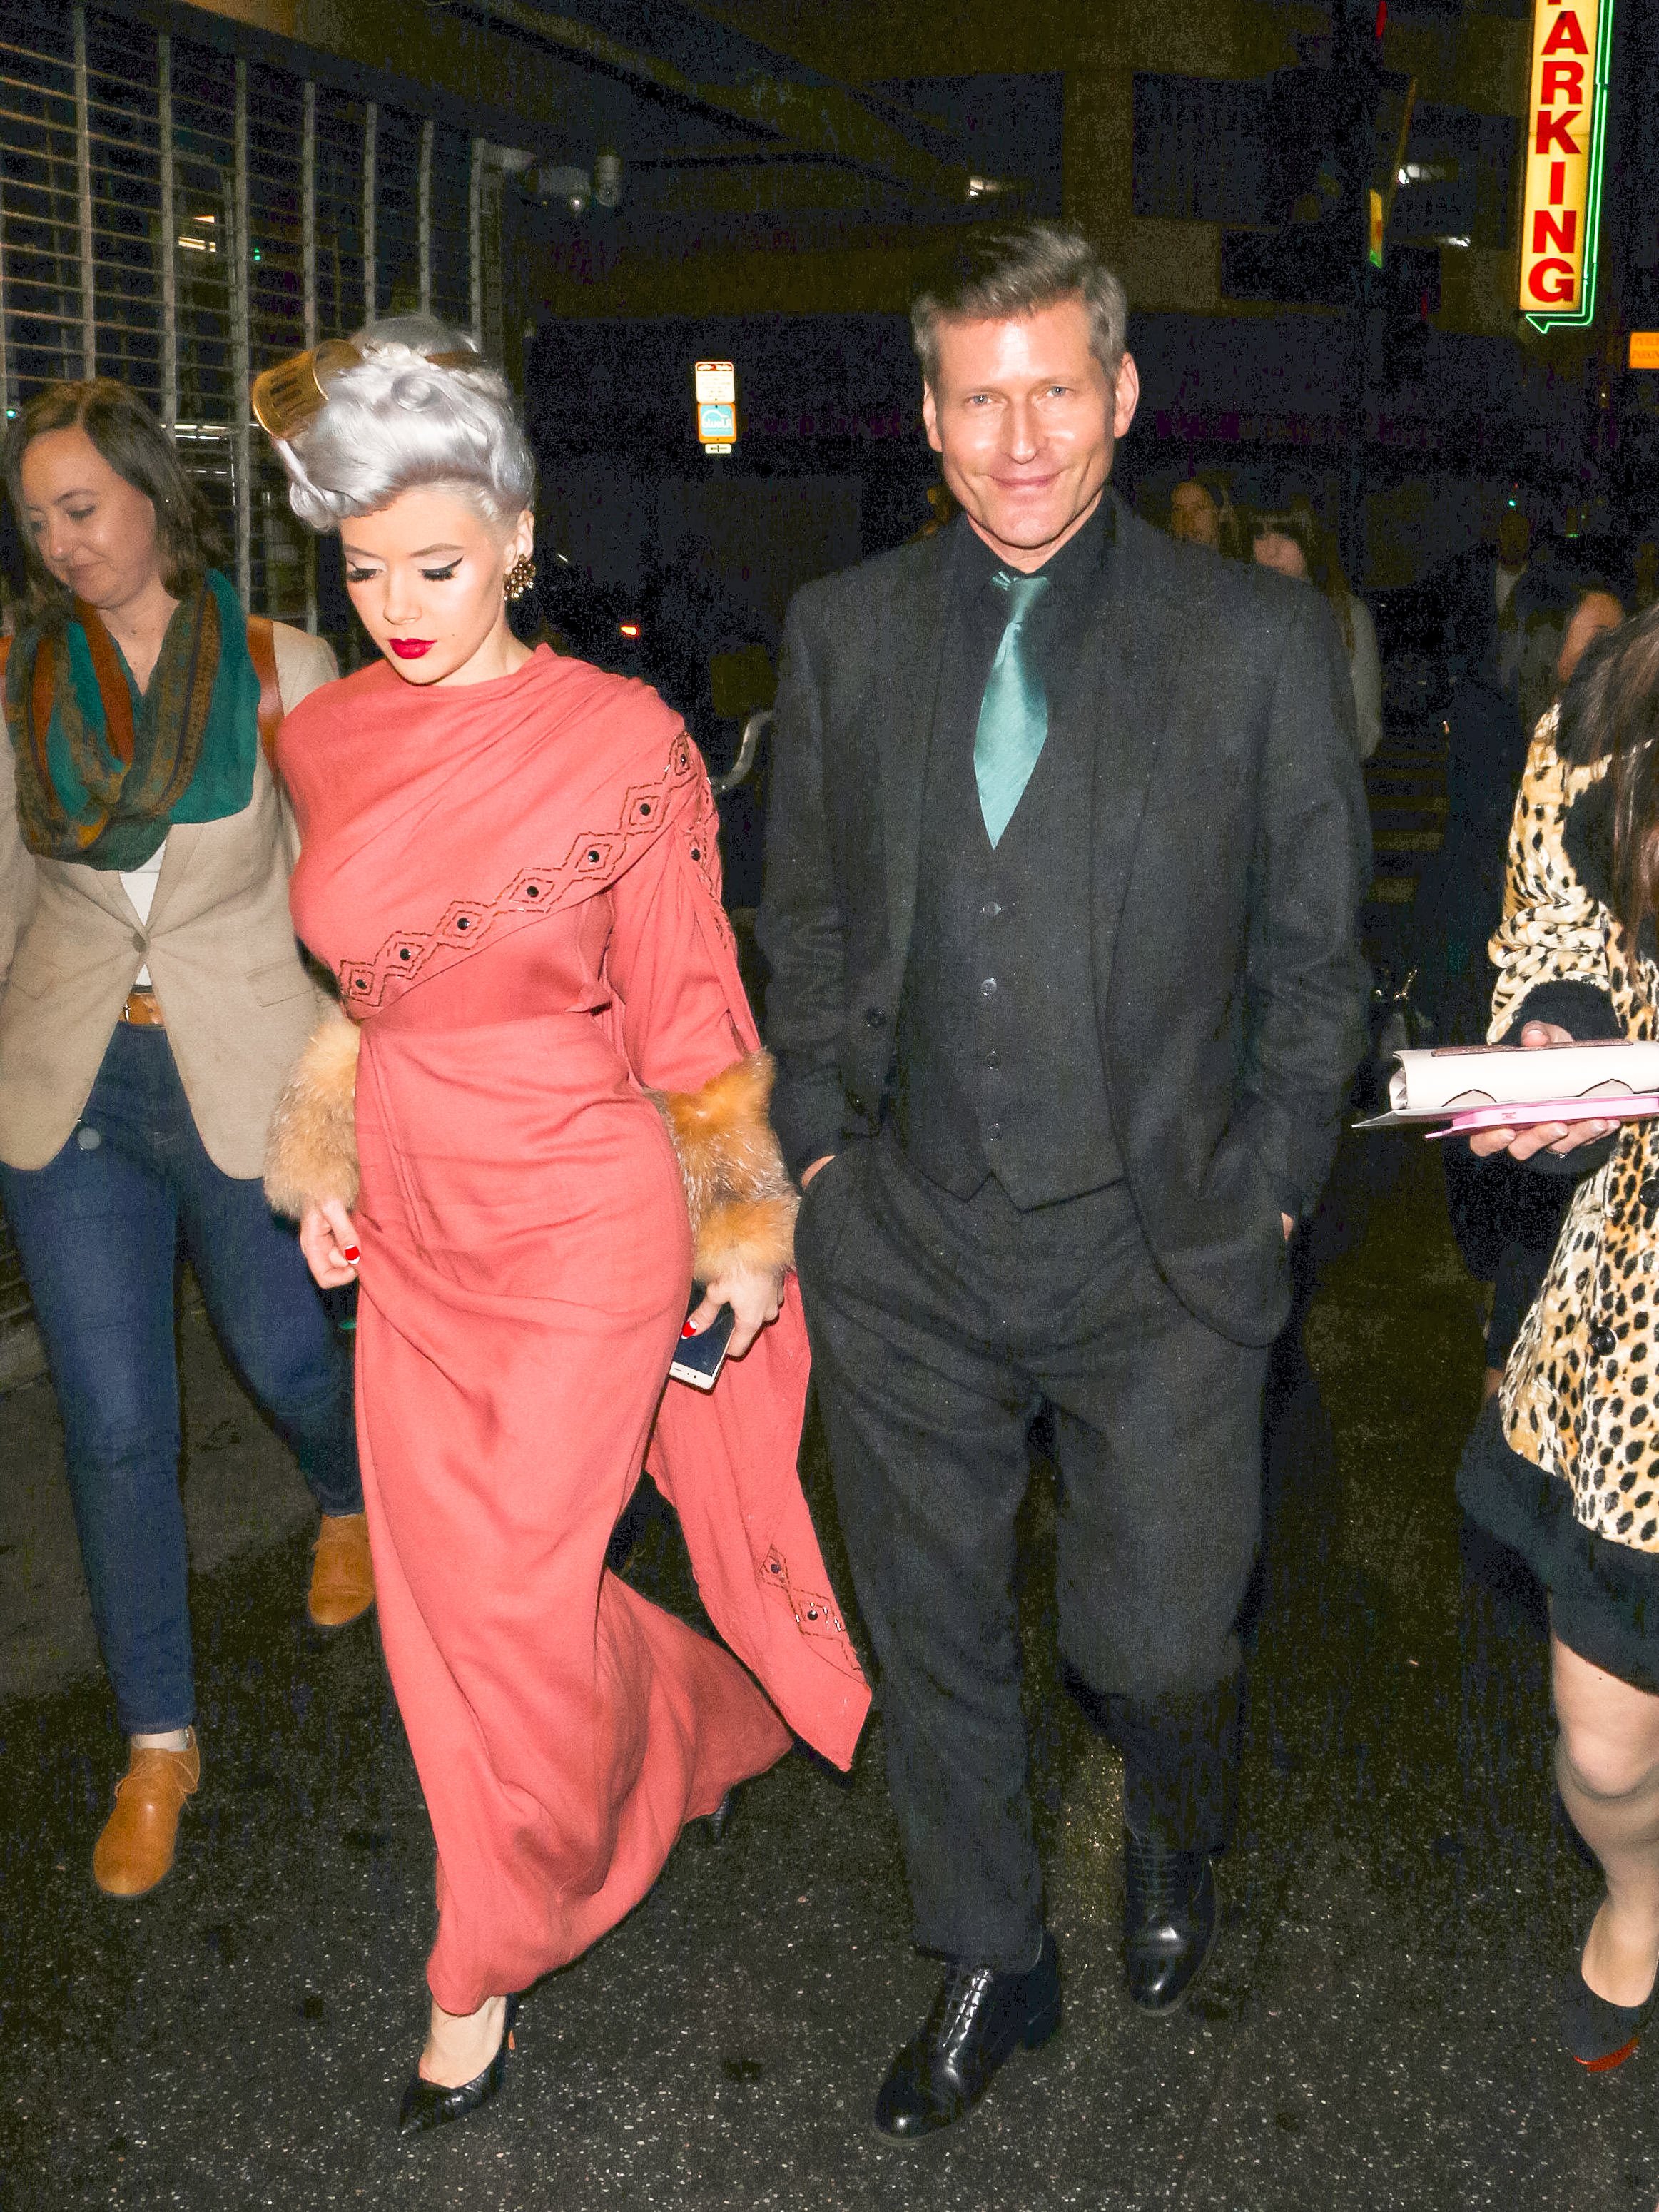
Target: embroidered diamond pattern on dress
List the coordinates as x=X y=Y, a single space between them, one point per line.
x=816 y=1615
x=592 y=859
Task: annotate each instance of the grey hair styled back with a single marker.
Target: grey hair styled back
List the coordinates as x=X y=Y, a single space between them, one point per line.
x=397 y=418
x=997 y=275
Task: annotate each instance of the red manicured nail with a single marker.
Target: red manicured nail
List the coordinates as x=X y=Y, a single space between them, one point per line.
x=350 y=1253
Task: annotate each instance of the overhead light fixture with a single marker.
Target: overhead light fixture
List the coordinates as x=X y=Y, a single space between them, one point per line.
x=571 y=188
x=608 y=179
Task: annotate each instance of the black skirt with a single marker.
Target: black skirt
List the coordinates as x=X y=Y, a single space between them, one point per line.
x=1604 y=1598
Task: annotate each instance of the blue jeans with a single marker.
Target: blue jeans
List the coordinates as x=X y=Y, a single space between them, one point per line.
x=99 y=1230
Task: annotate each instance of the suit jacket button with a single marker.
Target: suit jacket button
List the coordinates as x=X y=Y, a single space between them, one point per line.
x=1604 y=1342
x=140 y=942
x=855 y=1101
x=874 y=1020
x=1648 y=1193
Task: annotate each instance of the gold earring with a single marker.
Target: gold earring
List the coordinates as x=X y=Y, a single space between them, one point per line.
x=518 y=578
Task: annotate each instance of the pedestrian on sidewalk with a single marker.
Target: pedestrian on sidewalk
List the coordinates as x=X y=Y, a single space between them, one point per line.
x=511 y=867
x=152 y=998
x=1564 y=1464
x=1067 y=838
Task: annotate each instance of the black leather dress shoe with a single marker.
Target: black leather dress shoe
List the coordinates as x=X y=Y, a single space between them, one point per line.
x=431 y=2105
x=1171 y=1918
x=978 y=2018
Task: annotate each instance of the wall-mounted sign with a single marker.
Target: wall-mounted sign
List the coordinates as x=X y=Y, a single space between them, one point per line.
x=716 y=383
x=1567 y=121
x=1645 y=349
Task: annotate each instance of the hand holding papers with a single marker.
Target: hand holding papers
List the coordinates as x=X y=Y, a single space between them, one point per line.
x=1488 y=1087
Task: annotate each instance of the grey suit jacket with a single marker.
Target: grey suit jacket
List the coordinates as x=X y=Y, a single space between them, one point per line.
x=1231 y=848
x=238 y=1001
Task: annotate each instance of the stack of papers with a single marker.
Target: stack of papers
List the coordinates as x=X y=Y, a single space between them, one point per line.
x=1509 y=1086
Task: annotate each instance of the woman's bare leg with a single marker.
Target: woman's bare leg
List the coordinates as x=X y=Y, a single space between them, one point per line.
x=460 y=2045
x=1606 y=1761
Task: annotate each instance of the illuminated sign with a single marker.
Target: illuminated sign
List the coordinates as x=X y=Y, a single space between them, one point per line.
x=1645 y=349
x=1567 y=121
x=716 y=383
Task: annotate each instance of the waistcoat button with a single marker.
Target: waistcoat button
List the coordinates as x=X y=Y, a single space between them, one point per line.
x=1604 y=1342
x=1648 y=1193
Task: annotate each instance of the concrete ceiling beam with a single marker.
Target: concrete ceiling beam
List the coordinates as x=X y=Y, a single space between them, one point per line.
x=821 y=119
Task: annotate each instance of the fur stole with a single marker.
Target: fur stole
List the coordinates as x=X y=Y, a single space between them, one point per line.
x=311 y=1153
x=737 y=1190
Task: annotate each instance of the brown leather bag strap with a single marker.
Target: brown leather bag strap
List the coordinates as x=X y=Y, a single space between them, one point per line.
x=262 y=651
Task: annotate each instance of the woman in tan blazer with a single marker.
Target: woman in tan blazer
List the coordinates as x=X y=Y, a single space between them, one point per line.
x=152 y=1000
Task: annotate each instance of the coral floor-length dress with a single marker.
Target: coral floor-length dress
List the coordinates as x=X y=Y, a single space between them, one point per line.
x=516 y=884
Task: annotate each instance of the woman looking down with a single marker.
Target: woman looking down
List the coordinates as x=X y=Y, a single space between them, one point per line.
x=510 y=867
x=152 y=998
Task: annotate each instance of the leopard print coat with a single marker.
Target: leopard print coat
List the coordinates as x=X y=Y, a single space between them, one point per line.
x=1579 y=1397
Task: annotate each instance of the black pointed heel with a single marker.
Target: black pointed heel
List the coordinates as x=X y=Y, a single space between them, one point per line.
x=719 y=1821
x=1599 y=2033
x=431 y=2105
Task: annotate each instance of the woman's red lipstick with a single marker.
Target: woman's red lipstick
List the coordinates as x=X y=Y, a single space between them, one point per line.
x=411 y=648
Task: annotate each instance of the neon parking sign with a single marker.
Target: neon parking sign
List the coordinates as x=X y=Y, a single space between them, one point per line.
x=1566 y=124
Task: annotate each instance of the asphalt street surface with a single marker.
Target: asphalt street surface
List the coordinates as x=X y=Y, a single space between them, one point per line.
x=1375 y=2030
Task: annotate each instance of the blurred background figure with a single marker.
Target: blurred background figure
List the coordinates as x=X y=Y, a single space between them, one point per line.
x=1293 y=540
x=1505 y=606
x=1595 y=609
x=1194 y=517
x=1201 y=512
x=942 y=509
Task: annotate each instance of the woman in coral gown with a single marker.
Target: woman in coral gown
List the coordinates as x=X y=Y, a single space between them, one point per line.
x=510 y=867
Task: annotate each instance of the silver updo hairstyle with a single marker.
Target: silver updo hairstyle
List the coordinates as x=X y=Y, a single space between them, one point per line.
x=394 y=417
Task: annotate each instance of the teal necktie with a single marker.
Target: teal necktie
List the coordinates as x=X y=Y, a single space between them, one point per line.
x=1013 y=715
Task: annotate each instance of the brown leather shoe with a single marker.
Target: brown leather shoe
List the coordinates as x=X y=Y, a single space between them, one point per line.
x=136 y=1849
x=341 y=1575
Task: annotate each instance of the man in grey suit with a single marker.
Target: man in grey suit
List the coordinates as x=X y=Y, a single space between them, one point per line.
x=1066 y=841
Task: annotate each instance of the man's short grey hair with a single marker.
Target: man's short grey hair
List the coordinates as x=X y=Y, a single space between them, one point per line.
x=1000 y=276
x=396 y=420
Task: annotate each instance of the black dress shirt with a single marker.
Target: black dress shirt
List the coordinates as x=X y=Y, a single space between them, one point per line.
x=999 y=1070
